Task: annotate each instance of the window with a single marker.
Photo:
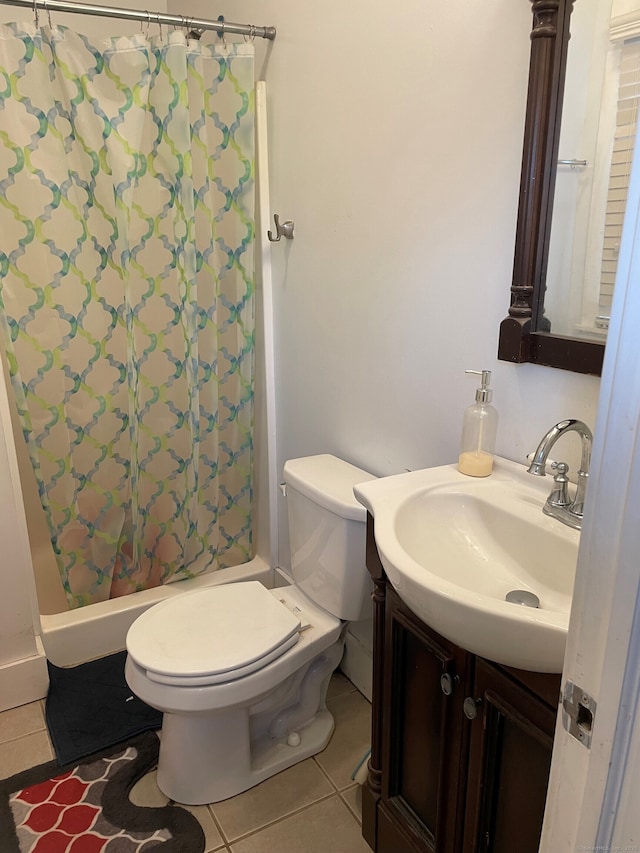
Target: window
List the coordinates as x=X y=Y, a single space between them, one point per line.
x=619 y=173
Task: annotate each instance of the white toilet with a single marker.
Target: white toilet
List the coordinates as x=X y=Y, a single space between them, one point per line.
x=241 y=672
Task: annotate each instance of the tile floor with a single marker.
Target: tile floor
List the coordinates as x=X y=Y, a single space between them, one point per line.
x=313 y=807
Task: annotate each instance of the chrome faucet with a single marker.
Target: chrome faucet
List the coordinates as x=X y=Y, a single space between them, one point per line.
x=559 y=505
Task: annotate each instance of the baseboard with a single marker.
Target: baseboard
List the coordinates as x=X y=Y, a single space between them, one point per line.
x=24 y=681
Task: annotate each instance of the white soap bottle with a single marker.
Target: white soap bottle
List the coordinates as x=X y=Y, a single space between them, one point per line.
x=479 y=430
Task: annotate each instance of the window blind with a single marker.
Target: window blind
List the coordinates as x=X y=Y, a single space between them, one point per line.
x=620 y=172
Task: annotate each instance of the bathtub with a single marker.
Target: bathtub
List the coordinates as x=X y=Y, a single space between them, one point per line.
x=90 y=632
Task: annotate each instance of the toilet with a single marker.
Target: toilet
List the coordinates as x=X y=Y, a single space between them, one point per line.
x=241 y=672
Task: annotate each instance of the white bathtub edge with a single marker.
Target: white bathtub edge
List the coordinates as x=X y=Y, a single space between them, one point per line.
x=100 y=629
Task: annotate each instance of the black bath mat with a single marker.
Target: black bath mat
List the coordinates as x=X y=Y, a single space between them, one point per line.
x=90 y=707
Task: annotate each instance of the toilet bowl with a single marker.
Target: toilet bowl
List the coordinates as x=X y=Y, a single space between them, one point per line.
x=241 y=672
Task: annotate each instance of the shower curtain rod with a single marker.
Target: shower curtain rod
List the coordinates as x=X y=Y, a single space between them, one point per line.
x=197 y=25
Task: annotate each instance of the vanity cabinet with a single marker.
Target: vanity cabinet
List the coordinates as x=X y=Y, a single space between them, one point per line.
x=461 y=747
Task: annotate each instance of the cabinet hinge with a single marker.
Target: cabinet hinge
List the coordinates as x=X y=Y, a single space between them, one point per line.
x=578 y=713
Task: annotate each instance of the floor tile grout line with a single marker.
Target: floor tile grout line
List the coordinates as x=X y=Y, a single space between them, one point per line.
x=349 y=810
x=21 y=736
x=31 y=731
x=326 y=775
x=358 y=817
x=338 y=789
x=280 y=819
x=346 y=788
x=217 y=823
x=345 y=692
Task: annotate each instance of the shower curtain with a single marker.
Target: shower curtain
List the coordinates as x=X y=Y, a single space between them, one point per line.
x=126 y=298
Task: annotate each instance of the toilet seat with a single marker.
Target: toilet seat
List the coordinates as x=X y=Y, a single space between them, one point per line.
x=212 y=635
x=221 y=677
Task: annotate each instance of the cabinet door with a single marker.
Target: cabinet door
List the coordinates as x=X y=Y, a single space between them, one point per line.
x=422 y=743
x=509 y=761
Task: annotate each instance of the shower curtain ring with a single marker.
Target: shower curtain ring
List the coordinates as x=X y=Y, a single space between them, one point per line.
x=36 y=14
x=221 y=31
x=48 y=11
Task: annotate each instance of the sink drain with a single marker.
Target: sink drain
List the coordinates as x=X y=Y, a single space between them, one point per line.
x=521 y=596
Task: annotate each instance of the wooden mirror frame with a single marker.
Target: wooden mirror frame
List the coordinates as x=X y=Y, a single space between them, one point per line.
x=525 y=334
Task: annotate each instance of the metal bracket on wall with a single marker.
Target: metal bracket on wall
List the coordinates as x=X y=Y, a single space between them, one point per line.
x=284 y=229
x=578 y=713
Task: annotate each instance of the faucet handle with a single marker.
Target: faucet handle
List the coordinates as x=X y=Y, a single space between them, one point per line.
x=559 y=496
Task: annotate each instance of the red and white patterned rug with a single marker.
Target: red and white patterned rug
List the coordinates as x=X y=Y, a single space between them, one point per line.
x=86 y=809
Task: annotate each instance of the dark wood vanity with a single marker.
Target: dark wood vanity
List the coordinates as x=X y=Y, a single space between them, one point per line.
x=461 y=747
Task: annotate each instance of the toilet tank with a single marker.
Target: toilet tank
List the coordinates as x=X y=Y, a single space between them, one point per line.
x=327 y=533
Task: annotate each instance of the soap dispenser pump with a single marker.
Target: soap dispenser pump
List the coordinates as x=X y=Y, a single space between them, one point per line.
x=479 y=429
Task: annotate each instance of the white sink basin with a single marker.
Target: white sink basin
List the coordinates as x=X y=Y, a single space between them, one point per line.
x=453 y=547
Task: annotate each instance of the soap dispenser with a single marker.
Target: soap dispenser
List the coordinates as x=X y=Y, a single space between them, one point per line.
x=479 y=429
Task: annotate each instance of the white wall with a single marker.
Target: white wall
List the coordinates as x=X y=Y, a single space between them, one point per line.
x=396 y=138
x=22 y=665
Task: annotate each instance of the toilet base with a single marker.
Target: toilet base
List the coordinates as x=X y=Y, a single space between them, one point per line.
x=222 y=739
x=197 y=765
x=208 y=757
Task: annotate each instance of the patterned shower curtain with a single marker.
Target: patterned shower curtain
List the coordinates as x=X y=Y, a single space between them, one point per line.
x=126 y=298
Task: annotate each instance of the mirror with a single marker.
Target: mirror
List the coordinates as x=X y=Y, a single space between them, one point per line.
x=528 y=334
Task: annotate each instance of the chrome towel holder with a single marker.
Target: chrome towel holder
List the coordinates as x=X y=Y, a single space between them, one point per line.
x=283 y=229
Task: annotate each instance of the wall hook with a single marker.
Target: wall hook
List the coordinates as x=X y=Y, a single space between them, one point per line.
x=282 y=230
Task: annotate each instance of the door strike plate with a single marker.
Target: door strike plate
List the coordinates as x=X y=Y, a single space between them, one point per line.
x=578 y=713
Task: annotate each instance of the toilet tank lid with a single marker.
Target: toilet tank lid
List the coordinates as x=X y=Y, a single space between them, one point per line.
x=329 y=482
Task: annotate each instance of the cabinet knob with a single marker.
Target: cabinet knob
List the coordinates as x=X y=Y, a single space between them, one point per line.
x=470 y=707
x=448 y=682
